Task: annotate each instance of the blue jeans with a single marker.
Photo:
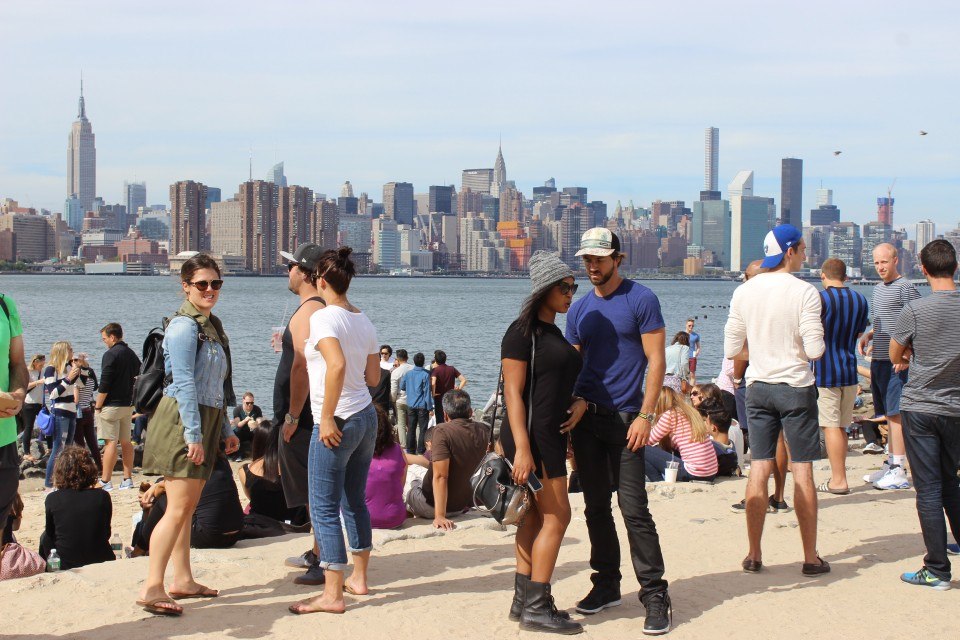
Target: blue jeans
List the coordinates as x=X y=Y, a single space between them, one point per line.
x=933 y=450
x=338 y=481
x=64 y=425
x=655 y=462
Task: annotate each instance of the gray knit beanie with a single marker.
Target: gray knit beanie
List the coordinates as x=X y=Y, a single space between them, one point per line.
x=546 y=270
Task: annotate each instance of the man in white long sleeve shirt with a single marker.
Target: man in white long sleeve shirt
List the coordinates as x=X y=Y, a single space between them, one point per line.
x=775 y=322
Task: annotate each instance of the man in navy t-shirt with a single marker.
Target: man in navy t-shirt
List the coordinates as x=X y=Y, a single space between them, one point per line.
x=619 y=330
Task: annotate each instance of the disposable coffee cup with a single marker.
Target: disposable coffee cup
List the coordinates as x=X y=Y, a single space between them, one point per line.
x=673 y=468
x=276 y=339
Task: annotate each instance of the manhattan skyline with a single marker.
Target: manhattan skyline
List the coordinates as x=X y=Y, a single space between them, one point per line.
x=603 y=108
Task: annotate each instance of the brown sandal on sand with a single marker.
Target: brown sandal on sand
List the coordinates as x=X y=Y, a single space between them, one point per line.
x=300 y=609
x=153 y=606
x=751 y=566
x=204 y=592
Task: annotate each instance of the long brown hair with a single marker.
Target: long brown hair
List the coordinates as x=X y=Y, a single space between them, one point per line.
x=670 y=400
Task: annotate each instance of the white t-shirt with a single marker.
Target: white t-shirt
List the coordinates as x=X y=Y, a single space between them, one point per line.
x=358 y=339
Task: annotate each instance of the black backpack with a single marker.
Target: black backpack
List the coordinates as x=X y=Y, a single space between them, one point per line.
x=149 y=385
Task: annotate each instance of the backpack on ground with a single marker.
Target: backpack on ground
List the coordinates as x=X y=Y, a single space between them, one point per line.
x=153 y=379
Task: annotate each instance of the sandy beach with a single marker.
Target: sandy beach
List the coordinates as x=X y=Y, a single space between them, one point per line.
x=458 y=584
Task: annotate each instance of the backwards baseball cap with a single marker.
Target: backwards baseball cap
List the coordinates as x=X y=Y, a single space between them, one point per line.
x=599 y=241
x=307 y=255
x=775 y=245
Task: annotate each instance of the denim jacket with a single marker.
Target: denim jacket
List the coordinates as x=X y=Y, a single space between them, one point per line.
x=200 y=376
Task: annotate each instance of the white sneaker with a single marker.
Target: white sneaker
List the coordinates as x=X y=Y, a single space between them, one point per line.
x=126 y=484
x=873 y=449
x=106 y=486
x=895 y=478
x=870 y=478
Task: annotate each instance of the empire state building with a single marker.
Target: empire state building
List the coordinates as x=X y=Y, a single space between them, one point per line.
x=82 y=159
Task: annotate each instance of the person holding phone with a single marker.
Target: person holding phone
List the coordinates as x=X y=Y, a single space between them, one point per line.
x=540 y=370
x=186 y=430
x=343 y=361
x=60 y=383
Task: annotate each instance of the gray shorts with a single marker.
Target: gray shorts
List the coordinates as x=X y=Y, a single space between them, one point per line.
x=772 y=408
x=293 y=467
x=418 y=505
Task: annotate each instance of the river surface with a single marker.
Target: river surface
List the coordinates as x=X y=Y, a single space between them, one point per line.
x=465 y=317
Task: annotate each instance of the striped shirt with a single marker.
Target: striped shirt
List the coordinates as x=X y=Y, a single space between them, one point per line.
x=888 y=299
x=88 y=380
x=699 y=458
x=59 y=391
x=844 y=316
x=929 y=327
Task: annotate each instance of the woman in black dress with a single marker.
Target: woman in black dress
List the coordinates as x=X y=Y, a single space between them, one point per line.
x=540 y=369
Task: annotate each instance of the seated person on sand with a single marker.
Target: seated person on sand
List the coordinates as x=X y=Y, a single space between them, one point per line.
x=729 y=452
x=78 y=514
x=457 y=446
x=388 y=470
x=689 y=438
x=217 y=522
x=268 y=514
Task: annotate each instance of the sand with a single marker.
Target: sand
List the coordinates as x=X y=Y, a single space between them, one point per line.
x=458 y=584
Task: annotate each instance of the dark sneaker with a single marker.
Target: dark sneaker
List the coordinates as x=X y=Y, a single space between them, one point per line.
x=772 y=507
x=740 y=507
x=573 y=485
x=953 y=549
x=777 y=507
x=313 y=577
x=302 y=561
x=659 y=614
x=598 y=599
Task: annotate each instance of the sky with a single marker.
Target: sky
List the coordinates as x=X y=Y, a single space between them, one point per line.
x=614 y=96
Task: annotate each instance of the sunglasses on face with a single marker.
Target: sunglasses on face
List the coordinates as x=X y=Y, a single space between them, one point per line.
x=248 y=402
x=385 y=353
x=695 y=394
x=202 y=285
x=566 y=288
x=291 y=266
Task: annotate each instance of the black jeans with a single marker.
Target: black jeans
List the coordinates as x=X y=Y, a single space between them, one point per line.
x=417 y=421
x=604 y=462
x=933 y=450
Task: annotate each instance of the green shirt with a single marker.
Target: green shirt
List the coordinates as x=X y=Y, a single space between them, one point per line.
x=8 y=331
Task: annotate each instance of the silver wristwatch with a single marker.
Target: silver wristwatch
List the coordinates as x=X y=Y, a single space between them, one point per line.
x=289 y=419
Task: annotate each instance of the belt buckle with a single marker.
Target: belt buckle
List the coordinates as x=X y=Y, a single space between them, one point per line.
x=592 y=407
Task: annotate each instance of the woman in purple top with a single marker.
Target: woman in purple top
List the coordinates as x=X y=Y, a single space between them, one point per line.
x=388 y=470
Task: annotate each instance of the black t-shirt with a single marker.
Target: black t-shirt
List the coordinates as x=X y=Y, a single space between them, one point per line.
x=381 y=393
x=78 y=527
x=240 y=414
x=219 y=509
x=556 y=367
x=281 y=383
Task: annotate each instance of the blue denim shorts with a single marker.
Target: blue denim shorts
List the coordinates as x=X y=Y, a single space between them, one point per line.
x=886 y=387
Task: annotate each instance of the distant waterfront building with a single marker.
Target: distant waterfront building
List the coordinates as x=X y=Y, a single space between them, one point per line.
x=749 y=222
x=35 y=238
x=187 y=216
x=885 y=210
x=346 y=191
x=441 y=199
x=816 y=239
x=386 y=244
x=82 y=158
x=74 y=212
x=573 y=195
x=348 y=205
x=791 y=192
x=259 y=223
x=874 y=233
x=294 y=215
x=356 y=232
x=711 y=229
x=398 y=202
x=741 y=185
x=711 y=162
x=844 y=242
x=134 y=195
x=926 y=233
x=154 y=228
x=477 y=180
x=824 y=215
x=213 y=195
x=227 y=229
x=824 y=197
x=276 y=175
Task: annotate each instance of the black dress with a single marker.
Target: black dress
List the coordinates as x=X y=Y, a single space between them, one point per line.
x=556 y=368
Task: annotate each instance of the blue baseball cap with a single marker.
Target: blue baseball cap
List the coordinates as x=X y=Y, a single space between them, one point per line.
x=775 y=245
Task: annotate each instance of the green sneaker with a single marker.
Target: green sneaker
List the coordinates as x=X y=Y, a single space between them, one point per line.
x=924 y=578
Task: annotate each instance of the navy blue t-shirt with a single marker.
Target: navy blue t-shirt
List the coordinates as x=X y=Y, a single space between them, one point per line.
x=844 y=316
x=609 y=332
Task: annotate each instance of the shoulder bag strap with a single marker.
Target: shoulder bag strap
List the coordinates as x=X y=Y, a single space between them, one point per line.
x=496 y=404
x=533 y=357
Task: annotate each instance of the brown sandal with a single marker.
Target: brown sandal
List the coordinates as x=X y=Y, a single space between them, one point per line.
x=751 y=566
x=153 y=606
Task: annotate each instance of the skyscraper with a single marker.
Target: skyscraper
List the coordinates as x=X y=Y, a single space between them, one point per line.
x=257 y=198
x=824 y=215
x=711 y=229
x=926 y=233
x=711 y=158
x=82 y=158
x=276 y=175
x=885 y=210
x=346 y=191
x=135 y=196
x=398 y=202
x=294 y=215
x=441 y=199
x=791 y=192
x=477 y=180
x=824 y=196
x=499 y=174
x=187 y=216
x=326 y=224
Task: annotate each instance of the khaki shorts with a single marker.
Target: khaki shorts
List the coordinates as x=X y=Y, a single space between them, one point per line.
x=115 y=423
x=835 y=405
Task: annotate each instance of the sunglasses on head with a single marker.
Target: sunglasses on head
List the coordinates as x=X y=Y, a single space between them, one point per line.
x=567 y=288
x=202 y=285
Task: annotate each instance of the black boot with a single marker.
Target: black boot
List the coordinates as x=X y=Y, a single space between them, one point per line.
x=540 y=613
x=519 y=595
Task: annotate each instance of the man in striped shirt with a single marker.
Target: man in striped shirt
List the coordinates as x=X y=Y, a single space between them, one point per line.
x=886 y=378
x=844 y=317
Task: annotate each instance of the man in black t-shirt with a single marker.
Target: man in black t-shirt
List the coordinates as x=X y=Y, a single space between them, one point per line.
x=245 y=418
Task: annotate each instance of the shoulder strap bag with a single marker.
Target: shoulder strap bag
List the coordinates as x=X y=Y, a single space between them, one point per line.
x=494 y=490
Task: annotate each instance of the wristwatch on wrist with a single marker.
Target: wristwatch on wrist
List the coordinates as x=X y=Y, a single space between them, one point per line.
x=646 y=416
x=738 y=381
x=289 y=419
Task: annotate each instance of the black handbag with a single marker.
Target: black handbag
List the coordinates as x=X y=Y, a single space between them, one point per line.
x=494 y=490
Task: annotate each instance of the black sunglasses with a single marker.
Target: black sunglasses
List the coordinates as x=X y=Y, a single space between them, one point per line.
x=202 y=285
x=291 y=266
x=566 y=288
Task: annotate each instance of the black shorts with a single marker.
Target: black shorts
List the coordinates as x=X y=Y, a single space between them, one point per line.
x=9 y=484
x=772 y=408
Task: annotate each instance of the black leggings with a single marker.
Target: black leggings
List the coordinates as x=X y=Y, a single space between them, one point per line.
x=27 y=419
x=86 y=434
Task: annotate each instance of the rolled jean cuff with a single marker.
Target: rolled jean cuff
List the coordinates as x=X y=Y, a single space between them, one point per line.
x=370 y=548
x=333 y=566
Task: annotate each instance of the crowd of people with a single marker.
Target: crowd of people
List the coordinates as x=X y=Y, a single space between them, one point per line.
x=365 y=437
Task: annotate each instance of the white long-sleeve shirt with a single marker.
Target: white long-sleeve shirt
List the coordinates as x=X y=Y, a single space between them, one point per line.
x=777 y=317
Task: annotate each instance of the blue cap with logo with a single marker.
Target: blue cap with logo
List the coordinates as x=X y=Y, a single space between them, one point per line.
x=775 y=245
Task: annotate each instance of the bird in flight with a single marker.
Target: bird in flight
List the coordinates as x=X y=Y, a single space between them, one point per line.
x=922 y=132
x=836 y=153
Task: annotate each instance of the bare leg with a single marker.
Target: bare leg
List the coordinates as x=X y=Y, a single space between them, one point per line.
x=331 y=600
x=780 y=473
x=183 y=581
x=526 y=535
x=127 y=448
x=897 y=446
x=836 y=439
x=554 y=508
x=109 y=459
x=757 y=497
x=805 y=501
x=182 y=496
x=358 y=579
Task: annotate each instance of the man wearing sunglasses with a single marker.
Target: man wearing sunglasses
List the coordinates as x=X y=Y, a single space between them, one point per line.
x=119 y=368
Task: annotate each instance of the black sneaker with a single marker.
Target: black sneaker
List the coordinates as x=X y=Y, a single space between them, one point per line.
x=313 y=577
x=740 y=507
x=777 y=507
x=302 y=561
x=659 y=614
x=573 y=485
x=598 y=599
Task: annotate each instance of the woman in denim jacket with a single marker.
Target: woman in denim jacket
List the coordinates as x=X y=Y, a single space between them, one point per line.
x=186 y=430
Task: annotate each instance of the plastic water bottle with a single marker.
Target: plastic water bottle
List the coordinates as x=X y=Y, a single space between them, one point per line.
x=117 y=545
x=53 y=561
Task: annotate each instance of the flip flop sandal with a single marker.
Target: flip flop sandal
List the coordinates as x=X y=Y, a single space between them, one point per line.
x=824 y=487
x=153 y=606
x=751 y=566
x=348 y=589
x=205 y=592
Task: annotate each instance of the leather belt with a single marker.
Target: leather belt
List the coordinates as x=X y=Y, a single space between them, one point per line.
x=599 y=409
